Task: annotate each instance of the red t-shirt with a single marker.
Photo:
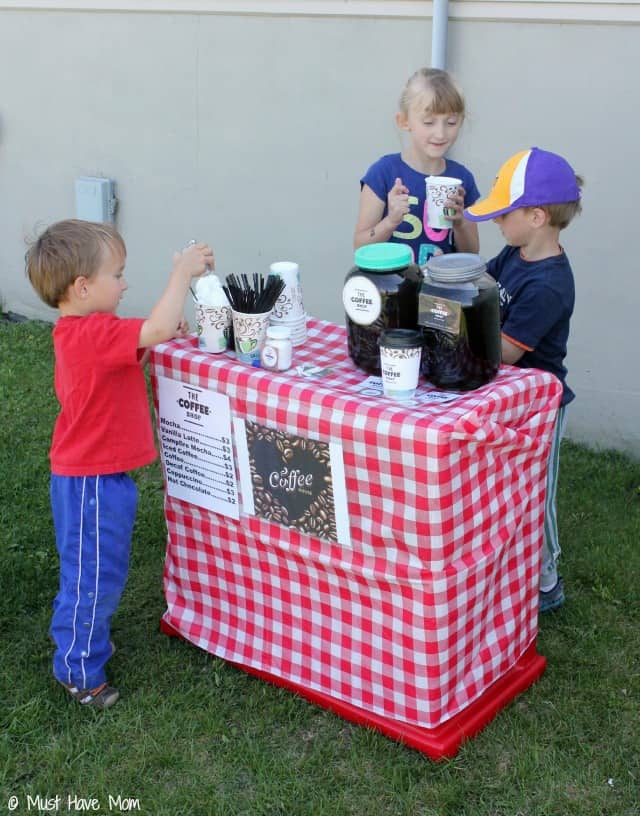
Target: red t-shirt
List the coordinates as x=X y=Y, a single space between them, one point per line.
x=104 y=425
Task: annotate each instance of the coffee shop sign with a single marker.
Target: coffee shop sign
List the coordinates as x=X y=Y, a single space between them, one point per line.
x=290 y=480
x=192 y=406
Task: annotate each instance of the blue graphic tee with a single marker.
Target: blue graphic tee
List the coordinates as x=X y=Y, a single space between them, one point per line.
x=413 y=230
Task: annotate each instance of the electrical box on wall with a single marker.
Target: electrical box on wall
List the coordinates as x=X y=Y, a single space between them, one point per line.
x=95 y=199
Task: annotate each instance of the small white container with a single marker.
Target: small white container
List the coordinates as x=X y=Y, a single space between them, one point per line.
x=277 y=349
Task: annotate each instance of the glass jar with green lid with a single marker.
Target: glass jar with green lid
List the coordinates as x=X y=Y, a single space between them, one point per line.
x=380 y=292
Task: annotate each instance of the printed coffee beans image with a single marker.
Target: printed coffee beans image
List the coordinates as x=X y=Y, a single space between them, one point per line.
x=292 y=483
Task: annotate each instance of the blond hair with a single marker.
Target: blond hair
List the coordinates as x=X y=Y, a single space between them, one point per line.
x=561 y=215
x=65 y=251
x=435 y=90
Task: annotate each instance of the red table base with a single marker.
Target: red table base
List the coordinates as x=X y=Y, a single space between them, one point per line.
x=437 y=743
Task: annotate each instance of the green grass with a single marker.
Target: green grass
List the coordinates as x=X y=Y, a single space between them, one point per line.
x=193 y=735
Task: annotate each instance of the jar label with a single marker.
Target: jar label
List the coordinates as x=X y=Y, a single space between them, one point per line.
x=362 y=300
x=439 y=313
x=269 y=357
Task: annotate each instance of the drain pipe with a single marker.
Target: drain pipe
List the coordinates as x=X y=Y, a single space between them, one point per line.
x=439 y=34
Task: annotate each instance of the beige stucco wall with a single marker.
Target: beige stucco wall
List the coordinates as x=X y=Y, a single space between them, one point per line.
x=252 y=132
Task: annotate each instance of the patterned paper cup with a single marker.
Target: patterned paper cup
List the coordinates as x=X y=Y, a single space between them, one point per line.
x=298 y=326
x=289 y=305
x=214 y=327
x=249 y=331
x=400 y=352
x=439 y=189
x=289 y=271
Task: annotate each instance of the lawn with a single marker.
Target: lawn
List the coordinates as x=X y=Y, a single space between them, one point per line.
x=193 y=735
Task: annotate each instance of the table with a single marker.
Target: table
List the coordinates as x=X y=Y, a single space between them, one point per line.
x=424 y=624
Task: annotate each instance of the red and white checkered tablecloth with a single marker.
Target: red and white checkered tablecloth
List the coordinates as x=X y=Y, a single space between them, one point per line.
x=435 y=599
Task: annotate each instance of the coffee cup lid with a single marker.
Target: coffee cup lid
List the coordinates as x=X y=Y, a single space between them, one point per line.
x=401 y=338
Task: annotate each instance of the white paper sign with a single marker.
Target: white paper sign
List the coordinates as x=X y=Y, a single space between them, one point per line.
x=195 y=434
x=372 y=387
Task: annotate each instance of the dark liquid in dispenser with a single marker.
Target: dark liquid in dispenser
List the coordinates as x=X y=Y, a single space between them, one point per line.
x=459 y=314
x=398 y=310
x=380 y=292
x=471 y=357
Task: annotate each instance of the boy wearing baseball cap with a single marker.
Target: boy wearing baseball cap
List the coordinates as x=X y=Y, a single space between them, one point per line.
x=535 y=195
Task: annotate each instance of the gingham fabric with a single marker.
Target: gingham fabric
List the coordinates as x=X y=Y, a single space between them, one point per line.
x=435 y=599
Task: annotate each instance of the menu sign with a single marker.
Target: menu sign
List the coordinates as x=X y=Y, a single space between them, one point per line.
x=293 y=481
x=195 y=434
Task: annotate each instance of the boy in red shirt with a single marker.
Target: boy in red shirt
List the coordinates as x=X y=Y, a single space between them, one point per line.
x=103 y=430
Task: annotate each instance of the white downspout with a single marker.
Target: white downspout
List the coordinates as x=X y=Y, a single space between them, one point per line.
x=439 y=34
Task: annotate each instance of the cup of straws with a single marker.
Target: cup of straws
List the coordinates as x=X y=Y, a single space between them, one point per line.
x=252 y=302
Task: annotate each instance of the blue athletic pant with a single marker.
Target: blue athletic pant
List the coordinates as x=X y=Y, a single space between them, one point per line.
x=93 y=518
x=551 y=549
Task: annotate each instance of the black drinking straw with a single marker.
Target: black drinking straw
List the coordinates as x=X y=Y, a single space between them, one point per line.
x=253 y=297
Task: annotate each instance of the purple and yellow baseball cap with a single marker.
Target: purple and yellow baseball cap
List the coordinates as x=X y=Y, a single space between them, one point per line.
x=531 y=178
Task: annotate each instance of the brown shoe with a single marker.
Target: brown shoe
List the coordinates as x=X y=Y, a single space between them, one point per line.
x=103 y=696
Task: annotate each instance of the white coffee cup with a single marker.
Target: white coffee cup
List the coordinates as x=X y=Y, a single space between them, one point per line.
x=289 y=271
x=213 y=314
x=439 y=189
x=400 y=353
x=213 y=327
x=289 y=306
x=249 y=332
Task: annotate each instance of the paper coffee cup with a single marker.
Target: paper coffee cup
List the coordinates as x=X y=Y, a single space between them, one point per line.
x=289 y=271
x=249 y=332
x=439 y=189
x=213 y=325
x=289 y=305
x=400 y=353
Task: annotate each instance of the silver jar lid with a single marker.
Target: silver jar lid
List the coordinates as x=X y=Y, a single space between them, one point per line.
x=455 y=267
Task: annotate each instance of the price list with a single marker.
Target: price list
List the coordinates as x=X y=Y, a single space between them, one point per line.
x=194 y=427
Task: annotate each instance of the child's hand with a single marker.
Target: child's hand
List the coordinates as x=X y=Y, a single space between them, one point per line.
x=455 y=205
x=194 y=260
x=182 y=330
x=398 y=202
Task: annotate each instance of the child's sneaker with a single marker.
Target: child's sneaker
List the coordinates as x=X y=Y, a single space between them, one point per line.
x=103 y=696
x=553 y=599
